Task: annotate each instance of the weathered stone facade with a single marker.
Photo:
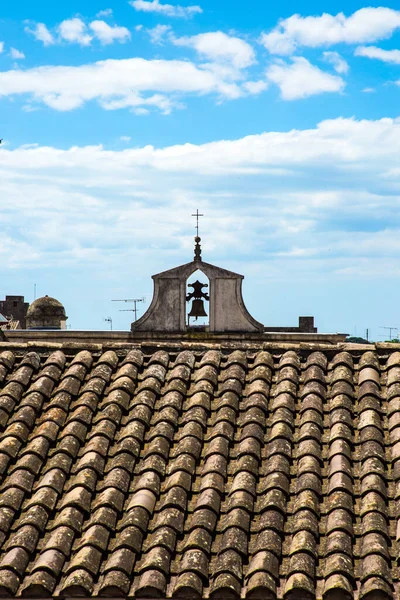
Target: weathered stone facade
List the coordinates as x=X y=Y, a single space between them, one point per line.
x=46 y=313
x=15 y=307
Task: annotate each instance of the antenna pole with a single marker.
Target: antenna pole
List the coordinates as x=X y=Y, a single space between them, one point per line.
x=390 y=330
x=135 y=301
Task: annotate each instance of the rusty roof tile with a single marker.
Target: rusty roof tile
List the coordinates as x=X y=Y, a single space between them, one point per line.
x=7 y=358
x=130 y=537
x=164 y=537
x=176 y=498
x=231 y=493
x=369 y=359
x=188 y=585
x=135 y=357
x=262 y=372
x=87 y=558
x=105 y=516
x=25 y=537
x=211 y=357
x=157 y=558
x=261 y=585
x=61 y=539
x=152 y=584
x=195 y=561
x=39 y=584
x=376 y=587
x=209 y=498
x=228 y=562
x=114 y=584
x=199 y=538
x=49 y=560
x=186 y=357
x=160 y=357
x=289 y=358
x=122 y=559
x=127 y=370
x=83 y=357
x=299 y=583
x=9 y=582
x=15 y=560
x=78 y=583
x=181 y=372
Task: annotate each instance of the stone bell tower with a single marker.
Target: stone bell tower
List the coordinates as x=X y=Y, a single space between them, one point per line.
x=227 y=311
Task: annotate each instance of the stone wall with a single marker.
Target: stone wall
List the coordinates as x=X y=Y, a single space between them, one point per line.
x=16 y=307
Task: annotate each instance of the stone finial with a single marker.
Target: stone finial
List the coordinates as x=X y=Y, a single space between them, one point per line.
x=197 y=249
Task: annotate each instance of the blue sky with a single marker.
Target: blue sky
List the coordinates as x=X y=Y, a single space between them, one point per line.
x=280 y=123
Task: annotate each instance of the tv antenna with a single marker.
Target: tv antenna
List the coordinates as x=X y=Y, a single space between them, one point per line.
x=134 y=309
x=109 y=320
x=390 y=330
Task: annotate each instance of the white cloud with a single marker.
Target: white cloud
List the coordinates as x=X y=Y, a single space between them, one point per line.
x=329 y=195
x=337 y=171
x=116 y=84
x=338 y=63
x=389 y=56
x=125 y=138
x=368 y=90
x=75 y=31
x=255 y=87
x=158 y=33
x=301 y=79
x=16 y=54
x=41 y=33
x=107 y=34
x=341 y=144
x=140 y=111
x=107 y=12
x=1 y=47
x=364 y=25
x=169 y=10
x=218 y=46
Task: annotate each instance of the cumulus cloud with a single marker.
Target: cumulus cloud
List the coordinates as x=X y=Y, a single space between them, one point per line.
x=157 y=34
x=107 y=34
x=1 y=47
x=329 y=195
x=169 y=10
x=364 y=25
x=116 y=84
x=300 y=79
x=107 y=12
x=389 y=56
x=75 y=31
x=16 y=54
x=255 y=87
x=218 y=46
x=342 y=172
x=41 y=33
x=338 y=63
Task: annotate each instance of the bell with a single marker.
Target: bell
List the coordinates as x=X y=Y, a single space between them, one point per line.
x=197 y=309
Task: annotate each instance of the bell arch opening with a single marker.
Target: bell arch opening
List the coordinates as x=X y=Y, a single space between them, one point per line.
x=198 y=301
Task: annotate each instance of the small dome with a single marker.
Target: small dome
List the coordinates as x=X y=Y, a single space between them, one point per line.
x=46 y=313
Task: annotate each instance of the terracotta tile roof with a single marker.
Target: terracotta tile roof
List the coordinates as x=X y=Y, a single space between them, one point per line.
x=195 y=473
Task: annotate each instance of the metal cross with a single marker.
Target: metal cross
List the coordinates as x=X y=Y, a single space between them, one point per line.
x=197 y=215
